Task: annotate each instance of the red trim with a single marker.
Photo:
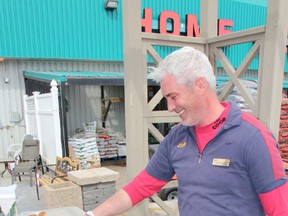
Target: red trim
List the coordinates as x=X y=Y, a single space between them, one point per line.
x=143 y=186
x=271 y=145
x=275 y=202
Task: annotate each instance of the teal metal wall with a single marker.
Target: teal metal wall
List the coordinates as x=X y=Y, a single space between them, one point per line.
x=182 y=7
x=68 y=29
x=245 y=14
x=83 y=29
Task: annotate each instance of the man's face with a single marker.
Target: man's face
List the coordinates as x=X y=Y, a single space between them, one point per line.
x=186 y=102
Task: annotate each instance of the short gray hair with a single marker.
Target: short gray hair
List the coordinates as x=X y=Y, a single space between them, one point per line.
x=185 y=65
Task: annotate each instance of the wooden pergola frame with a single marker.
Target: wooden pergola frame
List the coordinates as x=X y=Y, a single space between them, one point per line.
x=269 y=43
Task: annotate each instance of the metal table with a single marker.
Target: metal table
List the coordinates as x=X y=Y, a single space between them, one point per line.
x=6 y=161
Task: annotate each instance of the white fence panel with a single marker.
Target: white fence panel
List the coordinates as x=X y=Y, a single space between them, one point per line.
x=43 y=121
x=30 y=115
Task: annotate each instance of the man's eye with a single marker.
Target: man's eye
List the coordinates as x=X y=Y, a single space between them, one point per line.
x=173 y=98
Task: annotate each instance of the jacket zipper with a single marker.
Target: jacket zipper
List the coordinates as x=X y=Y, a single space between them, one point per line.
x=200 y=155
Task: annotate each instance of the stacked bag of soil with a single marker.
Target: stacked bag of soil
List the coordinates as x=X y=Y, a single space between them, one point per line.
x=237 y=97
x=283 y=129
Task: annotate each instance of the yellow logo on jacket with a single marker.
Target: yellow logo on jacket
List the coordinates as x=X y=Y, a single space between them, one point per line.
x=181 y=145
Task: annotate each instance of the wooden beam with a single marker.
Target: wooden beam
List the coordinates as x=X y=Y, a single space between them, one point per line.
x=271 y=79
x=135 y=80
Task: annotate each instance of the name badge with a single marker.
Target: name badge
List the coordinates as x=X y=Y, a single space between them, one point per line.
x=221 y=162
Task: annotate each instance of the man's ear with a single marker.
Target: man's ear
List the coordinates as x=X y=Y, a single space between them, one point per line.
x=201 y=83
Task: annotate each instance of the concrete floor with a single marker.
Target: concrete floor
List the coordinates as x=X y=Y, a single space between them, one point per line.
x=26 y=196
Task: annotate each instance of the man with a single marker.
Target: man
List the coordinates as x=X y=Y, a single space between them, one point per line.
x=226 y=161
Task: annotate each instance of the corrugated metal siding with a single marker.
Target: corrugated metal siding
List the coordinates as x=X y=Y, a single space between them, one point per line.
x=263 y=3
x=10 y=102
x=245 y=16
x=73 y=29
x=182 y=7
x=85 y=106
x=67 y=29
x=11 y=96
x=114 y=121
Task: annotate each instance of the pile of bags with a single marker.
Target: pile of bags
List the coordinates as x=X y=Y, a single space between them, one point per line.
x=236 y=96
x=91 y=144
x=86 y=151
x=84 y=146
x=108 y=142
x=283 y=130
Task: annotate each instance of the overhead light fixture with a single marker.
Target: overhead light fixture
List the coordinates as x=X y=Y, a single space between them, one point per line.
x=111 y=4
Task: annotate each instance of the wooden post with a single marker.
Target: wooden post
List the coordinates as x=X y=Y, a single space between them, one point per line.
x=135 y=80
x=271 y=77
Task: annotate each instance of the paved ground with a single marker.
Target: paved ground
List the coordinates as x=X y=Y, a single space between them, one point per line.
x=26 y=196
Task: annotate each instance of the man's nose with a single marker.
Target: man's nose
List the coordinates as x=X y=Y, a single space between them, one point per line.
x=171 y=106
